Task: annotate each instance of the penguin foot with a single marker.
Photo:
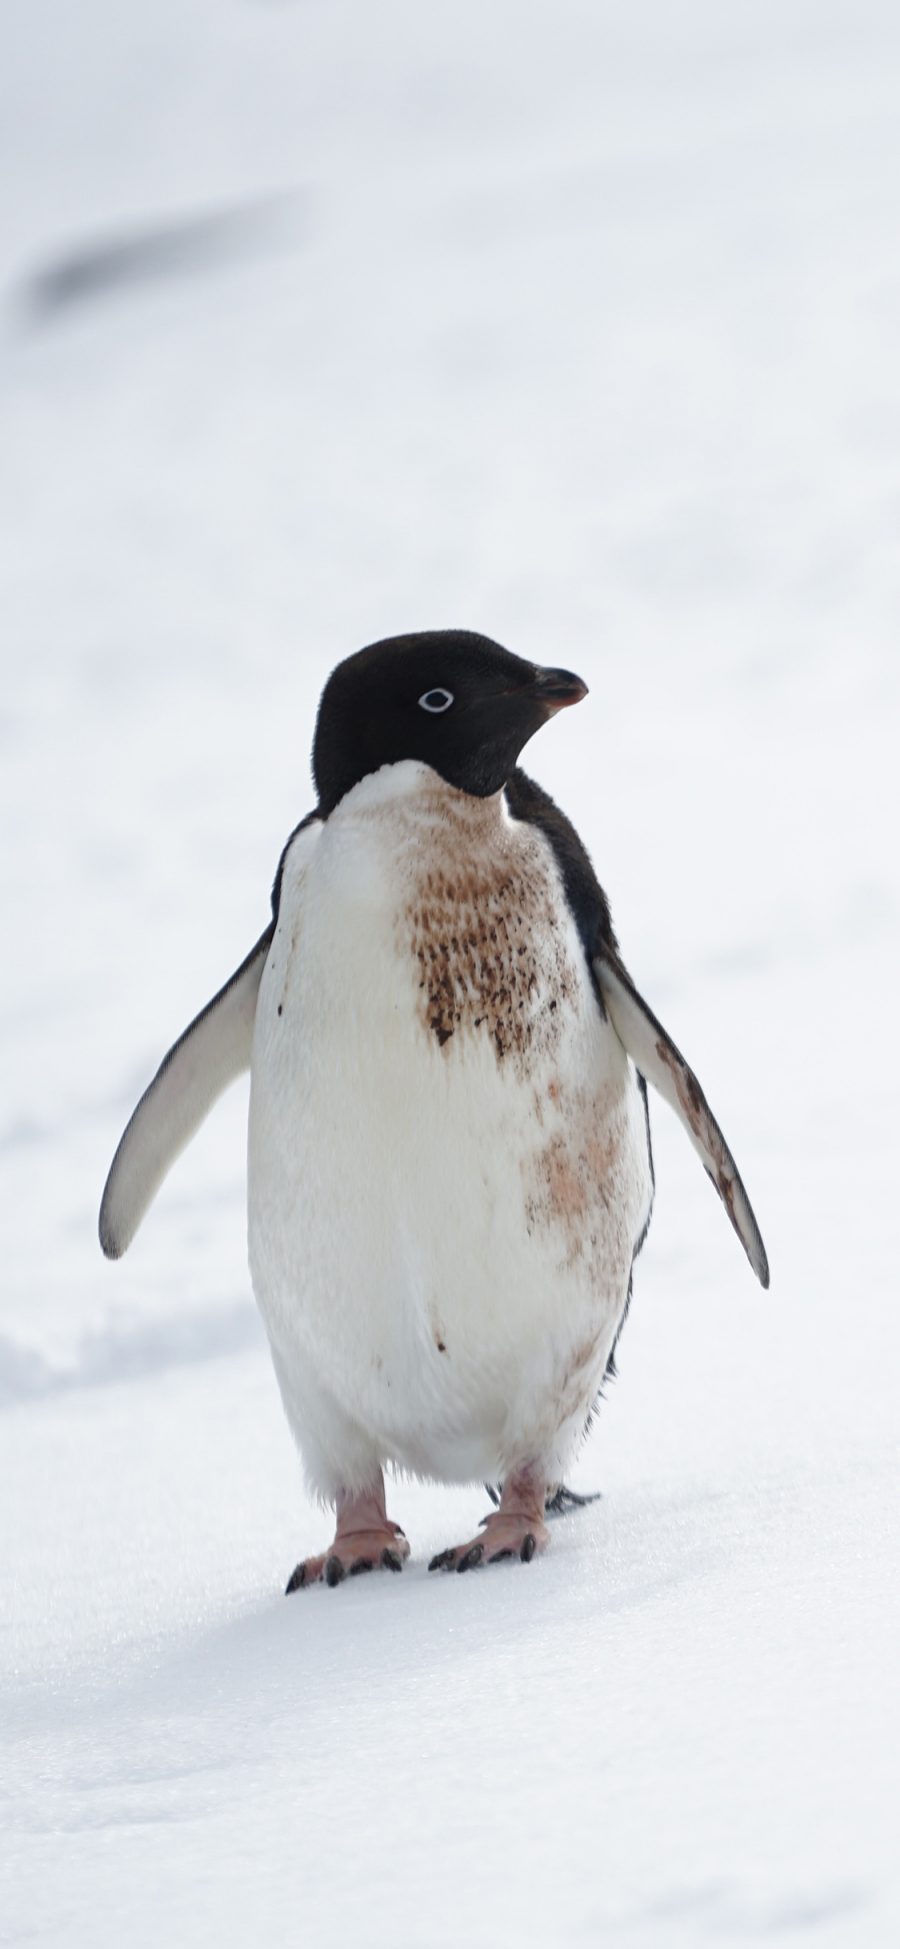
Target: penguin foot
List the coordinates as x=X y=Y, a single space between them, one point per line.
x=515 y=1529
x=563 y=1500
x=364 y=1539
x=560 y=1500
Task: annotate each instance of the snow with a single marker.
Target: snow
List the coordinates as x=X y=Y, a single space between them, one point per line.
x=575 y=324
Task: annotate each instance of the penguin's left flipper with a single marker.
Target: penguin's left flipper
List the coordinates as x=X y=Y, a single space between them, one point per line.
x=190 y=1079
x=654 y=1053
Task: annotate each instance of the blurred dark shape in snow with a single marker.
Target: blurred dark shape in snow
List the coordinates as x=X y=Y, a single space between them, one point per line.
x=182 y=247
x=113 y=1355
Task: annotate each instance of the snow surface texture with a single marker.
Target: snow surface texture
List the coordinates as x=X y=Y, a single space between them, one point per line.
x=575 y=323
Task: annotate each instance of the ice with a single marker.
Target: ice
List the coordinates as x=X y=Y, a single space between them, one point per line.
x=575 y=324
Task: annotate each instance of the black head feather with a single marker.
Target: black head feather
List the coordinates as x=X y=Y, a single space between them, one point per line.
x=451 y=699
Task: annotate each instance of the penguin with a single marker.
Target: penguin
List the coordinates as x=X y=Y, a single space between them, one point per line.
x=450 y=1171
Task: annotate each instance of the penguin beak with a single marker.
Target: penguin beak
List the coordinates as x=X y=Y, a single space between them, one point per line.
x=557 y=688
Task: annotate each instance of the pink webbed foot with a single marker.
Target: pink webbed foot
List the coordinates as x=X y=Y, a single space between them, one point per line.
x=364 y=1539
x=515 y=1529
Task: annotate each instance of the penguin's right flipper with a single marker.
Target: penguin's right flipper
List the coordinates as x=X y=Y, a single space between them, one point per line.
x=205 y=1059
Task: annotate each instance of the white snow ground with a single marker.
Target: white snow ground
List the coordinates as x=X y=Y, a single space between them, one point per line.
x=579 y=326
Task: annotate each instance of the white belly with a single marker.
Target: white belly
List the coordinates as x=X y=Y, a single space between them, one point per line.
x=448 y=1160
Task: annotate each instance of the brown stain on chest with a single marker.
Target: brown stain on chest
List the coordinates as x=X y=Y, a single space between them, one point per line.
x=571 y=1179
x=484 y=924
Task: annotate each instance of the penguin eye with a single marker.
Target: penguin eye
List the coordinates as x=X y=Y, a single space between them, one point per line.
x=436 y=701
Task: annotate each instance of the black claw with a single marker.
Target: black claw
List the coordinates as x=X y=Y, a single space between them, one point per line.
x=494 y=1495
x=334 y=1571
x=443 y=1561
x=296 y=1580
x=500 y=1556
x=364 y=1563
x=391 y=1561
x=564 y=1500
x=528 y=1548
x=472 y=1557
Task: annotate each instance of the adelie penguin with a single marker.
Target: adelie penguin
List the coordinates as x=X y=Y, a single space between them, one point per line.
x=450 y=1171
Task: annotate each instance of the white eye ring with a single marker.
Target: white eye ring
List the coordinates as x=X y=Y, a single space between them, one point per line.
x=436 y=700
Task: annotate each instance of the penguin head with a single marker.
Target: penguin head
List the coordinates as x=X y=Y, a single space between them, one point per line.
x=449 y=698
